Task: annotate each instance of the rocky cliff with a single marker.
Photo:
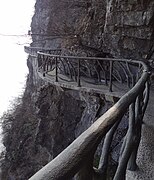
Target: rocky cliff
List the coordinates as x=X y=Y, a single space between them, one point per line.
x=49 y=118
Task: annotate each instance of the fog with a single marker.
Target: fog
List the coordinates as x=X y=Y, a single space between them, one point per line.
x=15 y=19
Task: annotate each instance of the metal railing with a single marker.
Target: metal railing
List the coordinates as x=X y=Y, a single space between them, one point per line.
x=76 y=161
x=32 y=51
x=105 y=71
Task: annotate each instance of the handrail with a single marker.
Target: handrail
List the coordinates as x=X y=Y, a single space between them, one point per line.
x=94 y=70
x=88 y=58
x=32 y=51
x=39 y=48
x=77 y=159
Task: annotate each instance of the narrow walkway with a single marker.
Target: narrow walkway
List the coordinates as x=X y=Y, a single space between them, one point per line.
x=63 y=81
x=108 y=76
x=145 y=158
x=74 y=73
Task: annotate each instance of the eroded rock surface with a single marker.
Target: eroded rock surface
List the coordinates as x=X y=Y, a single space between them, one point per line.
x=49 y=118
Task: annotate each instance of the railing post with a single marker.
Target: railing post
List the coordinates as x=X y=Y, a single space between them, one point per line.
x=79 y=80
x=138 y=113
x=43 y=65
x=111 y=71
x=132 y=160
x=103 y=163
x=47 y=63
x=38 y=61
x=56 y=64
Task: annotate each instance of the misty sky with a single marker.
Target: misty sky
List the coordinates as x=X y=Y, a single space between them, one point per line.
x=15 y=15
x=15 y=18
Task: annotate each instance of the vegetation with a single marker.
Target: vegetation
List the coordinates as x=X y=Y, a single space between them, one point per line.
x=18 y=124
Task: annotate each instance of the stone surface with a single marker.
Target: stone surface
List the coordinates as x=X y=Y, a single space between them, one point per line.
x=128 y=30
x=117 y=28
x=145 y=158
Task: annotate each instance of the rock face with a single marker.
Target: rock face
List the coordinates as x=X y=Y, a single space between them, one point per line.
x=121 y=28
x=50 y=118
x=129 y=27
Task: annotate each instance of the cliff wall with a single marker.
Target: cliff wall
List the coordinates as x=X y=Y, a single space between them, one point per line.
x=48 y=118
